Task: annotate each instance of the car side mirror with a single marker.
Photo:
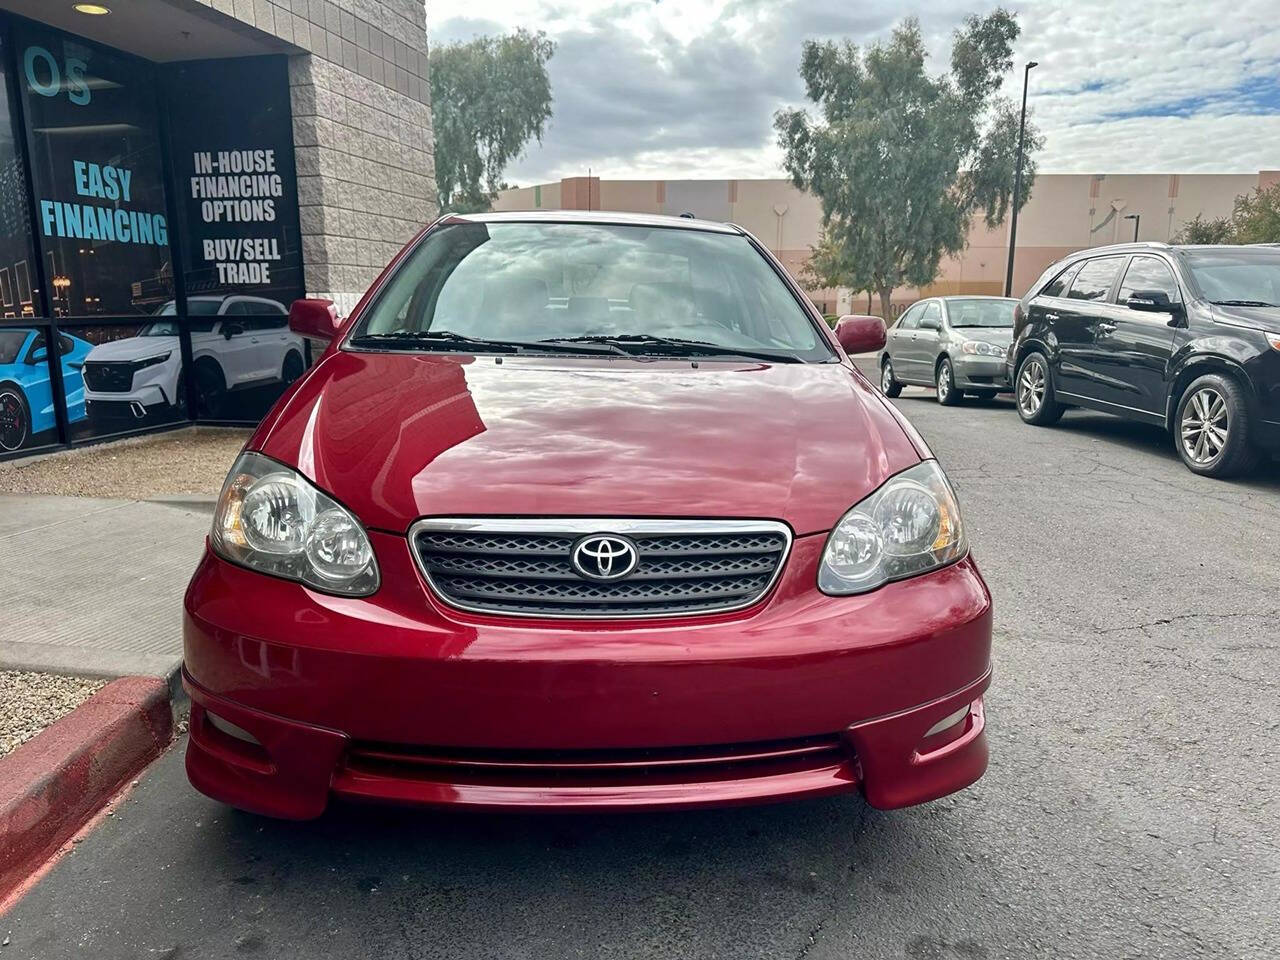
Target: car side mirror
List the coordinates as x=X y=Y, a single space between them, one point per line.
x=230 y=330
x=860 y=334
x=316 y=318
x=930 y=323
x=38 y=355
x=1151 y=301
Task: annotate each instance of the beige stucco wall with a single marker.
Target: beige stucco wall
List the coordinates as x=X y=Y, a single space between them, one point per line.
x=1066 y=212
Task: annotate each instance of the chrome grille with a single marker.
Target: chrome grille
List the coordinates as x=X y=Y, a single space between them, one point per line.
x=522 y=566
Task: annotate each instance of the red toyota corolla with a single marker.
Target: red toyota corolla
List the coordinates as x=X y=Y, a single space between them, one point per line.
x=584 y=511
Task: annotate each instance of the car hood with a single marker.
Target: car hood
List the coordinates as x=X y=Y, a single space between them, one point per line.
x=396 y=437
x=132 y=348
x=1261 y=318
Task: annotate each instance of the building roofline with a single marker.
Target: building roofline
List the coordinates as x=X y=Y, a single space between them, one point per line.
x=614 y=217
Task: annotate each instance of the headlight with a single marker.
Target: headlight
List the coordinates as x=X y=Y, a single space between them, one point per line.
x=151 y=361
x=909 y=526
x=982 y=348
x=271 y=518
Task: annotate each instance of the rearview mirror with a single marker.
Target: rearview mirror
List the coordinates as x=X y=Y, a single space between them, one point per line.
x=317 y=319
x=860 y=334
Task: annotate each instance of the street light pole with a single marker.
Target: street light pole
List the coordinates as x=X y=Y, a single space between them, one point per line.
x=1137 y=219
x=1017 y=180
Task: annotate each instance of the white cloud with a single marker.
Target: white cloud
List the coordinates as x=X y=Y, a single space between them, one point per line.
x=687 y=88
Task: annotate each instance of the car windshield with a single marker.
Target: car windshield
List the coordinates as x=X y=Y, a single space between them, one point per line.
x=1242 y=277
x=977 y=312
x=11 y=342
x=160 y=328
x=196 y=307
x=594 y=288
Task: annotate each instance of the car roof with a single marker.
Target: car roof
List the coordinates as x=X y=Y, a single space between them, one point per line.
x=594 y=216
x=972 y=296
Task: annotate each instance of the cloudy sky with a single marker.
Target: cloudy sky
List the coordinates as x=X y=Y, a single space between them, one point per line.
x=688 y=88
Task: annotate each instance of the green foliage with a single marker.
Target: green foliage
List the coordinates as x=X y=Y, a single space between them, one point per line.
x=903 y=160
x=488 y=97
x=1255 y=218
x=1202 y=230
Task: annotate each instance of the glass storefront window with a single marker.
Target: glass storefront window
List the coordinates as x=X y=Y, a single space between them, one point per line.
x=84 y=176
x=97 y=170
x=17 y=295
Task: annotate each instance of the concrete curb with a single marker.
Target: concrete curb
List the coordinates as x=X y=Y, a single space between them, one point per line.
x=54 y=784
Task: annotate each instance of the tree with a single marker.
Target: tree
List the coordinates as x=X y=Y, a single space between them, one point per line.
x=829 y=266
x=1202 y=230
x=488 y=97
x=901 y=160
x=1256 y=217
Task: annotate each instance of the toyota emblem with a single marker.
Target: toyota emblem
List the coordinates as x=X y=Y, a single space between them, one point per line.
x=604 y=556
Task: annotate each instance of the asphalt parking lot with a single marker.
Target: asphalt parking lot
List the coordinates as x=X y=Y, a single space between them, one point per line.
x=1131 y=809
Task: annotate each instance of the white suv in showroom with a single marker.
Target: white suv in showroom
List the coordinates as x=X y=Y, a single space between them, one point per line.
x=236 y=342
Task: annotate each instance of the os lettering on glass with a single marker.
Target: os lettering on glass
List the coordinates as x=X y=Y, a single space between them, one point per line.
x=77 y=88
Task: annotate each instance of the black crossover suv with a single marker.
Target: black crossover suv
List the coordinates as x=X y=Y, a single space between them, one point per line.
x=1184 y=336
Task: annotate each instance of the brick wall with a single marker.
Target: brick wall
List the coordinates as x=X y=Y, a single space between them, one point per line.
x=361 y=130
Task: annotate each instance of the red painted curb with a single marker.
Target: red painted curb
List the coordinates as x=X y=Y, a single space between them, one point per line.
x=54 y=783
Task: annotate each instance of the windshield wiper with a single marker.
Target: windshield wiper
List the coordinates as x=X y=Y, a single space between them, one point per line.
x=1243 y=303
x=679 y=347
x=448 y=340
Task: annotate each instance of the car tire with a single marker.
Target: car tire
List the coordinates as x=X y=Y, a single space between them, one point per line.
x=15 y=418
x=945 y=382
x=211 y=388
x=293 y=367
x=179 y=405
x=890 y=386
x=1033 y=391
x=1212 y=427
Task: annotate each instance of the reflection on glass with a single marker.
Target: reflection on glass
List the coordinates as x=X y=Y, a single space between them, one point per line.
x=96 y=167
x=242 y=357
x=15 y=222
x=27 y=416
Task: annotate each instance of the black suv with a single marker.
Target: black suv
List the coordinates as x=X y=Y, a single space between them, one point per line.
x=1184 y=336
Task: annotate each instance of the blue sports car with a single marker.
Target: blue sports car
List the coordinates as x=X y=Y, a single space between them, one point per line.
x=26 y=400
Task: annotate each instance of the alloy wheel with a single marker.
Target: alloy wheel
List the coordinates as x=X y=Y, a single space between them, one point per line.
x=1205 y=426
x=1031 y=386
x=886 y=376
x=944 y=382
x=13 y=423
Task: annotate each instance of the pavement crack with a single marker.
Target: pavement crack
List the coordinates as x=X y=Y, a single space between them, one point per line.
x=1178 y=618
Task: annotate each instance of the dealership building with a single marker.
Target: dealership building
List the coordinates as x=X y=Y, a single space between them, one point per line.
x=1066 y=212
x=173 y=174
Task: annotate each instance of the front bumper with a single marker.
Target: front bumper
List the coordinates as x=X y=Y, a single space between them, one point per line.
x=980 y=373
x=299 y=696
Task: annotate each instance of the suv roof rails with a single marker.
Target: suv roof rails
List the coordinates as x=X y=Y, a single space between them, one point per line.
x=1139 y=245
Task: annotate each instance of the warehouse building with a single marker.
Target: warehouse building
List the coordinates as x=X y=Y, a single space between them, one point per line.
x=1066 y=212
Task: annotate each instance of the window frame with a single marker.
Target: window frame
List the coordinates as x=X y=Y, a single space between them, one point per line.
x=1109 y=295
x=1181 y=297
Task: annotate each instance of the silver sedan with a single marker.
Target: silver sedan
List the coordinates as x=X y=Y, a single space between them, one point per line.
x=955 y=344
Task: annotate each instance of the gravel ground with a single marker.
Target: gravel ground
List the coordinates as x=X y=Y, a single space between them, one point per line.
x=191 y=462
x=29 y=702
